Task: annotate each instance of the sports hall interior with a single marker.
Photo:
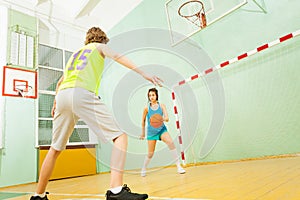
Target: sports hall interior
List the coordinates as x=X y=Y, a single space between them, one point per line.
x=234 y=83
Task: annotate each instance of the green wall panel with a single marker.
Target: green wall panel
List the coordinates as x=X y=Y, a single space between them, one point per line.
x=261 y=92
x=18 y=159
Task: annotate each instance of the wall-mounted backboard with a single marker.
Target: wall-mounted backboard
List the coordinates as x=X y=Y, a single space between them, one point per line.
x=19 y=82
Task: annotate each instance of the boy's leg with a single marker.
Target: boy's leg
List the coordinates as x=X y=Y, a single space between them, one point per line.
x=99 y=118
x=118 y=158
x=46 y=170
x=63 y=126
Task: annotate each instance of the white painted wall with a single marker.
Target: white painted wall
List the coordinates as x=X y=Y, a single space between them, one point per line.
x=3 y=54
x=63 y=24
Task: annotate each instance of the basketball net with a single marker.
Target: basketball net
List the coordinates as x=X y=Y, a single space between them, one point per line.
x=194 y=12
x=23 y=90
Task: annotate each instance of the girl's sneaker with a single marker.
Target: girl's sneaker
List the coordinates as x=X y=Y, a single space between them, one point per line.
x=180 y=170
x=143 y=173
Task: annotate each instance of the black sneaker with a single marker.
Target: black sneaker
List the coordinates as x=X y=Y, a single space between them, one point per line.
x=125 y=194
x=39 y=198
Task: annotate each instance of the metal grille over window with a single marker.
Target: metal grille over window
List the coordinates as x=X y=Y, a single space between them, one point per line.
x=51 y=62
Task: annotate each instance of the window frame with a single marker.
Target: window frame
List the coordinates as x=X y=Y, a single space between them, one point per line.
x=92 y=139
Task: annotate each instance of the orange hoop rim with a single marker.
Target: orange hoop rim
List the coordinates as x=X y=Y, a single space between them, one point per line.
x=188 y=2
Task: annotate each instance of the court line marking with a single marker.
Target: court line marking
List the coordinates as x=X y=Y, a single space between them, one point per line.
x=103 y=195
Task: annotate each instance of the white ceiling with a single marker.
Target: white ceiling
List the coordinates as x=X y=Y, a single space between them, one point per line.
x=81 y=13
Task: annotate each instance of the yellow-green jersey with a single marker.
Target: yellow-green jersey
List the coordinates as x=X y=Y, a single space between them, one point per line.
x=84 y=69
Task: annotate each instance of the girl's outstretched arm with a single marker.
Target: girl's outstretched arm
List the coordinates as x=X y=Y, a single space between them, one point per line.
x=144 y=123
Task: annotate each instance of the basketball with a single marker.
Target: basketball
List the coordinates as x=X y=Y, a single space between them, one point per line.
x=156 y=120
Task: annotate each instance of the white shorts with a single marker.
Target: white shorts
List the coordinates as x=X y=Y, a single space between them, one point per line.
x=77 y=103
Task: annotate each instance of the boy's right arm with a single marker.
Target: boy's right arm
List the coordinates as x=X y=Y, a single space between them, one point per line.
x=123 y=60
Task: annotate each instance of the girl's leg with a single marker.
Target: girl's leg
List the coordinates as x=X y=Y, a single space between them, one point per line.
x=151 y=149
x=166 y=138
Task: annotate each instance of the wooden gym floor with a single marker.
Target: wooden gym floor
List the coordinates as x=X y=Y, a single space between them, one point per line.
x=270 y=179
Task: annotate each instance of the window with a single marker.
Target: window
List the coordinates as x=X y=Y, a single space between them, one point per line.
x=51 y=62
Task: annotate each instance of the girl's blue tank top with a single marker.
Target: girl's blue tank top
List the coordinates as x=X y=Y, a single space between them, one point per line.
x=151 y=131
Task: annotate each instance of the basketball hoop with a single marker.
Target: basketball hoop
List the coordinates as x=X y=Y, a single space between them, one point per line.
x=194 y=12
x=23 y=90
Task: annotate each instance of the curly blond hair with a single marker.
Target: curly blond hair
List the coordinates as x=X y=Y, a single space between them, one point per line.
x=95 y=34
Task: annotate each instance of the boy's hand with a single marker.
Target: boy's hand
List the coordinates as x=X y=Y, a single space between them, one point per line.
x=155 y=80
